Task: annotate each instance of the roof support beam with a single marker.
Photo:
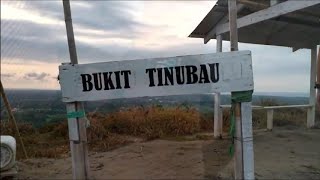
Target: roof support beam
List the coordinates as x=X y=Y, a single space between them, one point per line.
x=265 y=14
x=222 y=21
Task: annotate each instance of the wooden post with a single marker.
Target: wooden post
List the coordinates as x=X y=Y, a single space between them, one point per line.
x=76 y=125
x=219 y=43
x=8 y=107
x=217 y=131
x=269 y=119
x=318 y=79
x=243 y=157
x=312 y=96
x=247 y=141
x=221 y=120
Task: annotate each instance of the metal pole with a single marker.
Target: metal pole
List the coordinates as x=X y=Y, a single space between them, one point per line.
x=7 y=104
x=78 y=142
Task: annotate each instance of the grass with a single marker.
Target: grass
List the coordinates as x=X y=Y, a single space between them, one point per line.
x=109 y=131
x=151 y=122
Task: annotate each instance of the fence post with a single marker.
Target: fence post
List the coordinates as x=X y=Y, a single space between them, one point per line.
x=270 y=119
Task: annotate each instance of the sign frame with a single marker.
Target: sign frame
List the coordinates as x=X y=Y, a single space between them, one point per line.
x=204 y=73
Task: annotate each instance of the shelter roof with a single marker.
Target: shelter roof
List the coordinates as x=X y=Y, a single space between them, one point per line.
x=298 y=29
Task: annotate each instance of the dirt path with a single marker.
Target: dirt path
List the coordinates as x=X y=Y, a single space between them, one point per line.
x=281 y=154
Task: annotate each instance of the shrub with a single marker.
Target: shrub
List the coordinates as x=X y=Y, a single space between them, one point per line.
x=151 y=122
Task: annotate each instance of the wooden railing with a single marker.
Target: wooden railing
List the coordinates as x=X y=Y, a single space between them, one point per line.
x=270 y=111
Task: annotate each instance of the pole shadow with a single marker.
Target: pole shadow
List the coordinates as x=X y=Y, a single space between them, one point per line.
x=217 y=161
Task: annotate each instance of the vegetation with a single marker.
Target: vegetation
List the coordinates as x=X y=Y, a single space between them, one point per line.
x=111 y=130
x=113 y=123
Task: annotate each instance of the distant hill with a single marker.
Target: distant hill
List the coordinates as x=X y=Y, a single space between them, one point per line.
x=44 y=106
x=52 y=98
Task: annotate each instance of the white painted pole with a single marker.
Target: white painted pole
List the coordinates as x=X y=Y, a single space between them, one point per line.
x=217 y=131
x=247 y=141
x=77 y=125
x=312 y=96
x=243 y=157
x=269 y=119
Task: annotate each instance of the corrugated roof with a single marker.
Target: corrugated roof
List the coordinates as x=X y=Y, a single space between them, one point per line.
x=299 y=29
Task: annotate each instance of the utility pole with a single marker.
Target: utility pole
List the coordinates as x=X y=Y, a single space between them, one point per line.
x=75 y=110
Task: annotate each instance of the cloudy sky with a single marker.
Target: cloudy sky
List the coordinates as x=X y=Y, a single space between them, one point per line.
x=34 y=42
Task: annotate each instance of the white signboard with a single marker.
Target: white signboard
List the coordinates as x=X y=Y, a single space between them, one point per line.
x=194 y=74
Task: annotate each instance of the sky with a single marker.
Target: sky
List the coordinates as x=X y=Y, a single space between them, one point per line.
x=34 y=41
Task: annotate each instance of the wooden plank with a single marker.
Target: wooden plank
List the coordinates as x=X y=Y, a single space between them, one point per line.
x=230 y=71
x=274 y=107
x=265 y=14
x=312 y=97
x=270 y=119
x=287 y=106
x=229 y=106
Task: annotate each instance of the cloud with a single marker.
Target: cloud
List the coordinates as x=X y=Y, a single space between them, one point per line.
x=45 y=43
x=107 y=31
x=117 y=30
x=114 y=16
x=36 y=76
